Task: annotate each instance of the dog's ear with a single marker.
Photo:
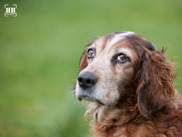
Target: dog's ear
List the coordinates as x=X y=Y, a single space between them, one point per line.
x=155 y=83
x=83 y=61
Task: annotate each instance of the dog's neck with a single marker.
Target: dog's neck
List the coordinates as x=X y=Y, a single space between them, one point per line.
x=106 y=118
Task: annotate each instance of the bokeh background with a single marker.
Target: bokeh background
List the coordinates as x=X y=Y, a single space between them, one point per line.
x=40 y=51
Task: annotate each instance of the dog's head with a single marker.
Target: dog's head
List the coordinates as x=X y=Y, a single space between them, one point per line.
x=121 y=65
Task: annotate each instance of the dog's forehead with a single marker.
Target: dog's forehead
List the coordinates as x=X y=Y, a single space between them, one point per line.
x=116 y=37
x=112 y=38
x=106 y=42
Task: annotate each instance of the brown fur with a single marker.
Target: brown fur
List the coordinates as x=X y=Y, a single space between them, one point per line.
x=150 y=105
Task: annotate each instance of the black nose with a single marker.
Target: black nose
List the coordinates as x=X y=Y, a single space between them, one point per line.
x=86 y=80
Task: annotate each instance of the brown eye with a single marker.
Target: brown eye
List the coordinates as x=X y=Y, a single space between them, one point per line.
x=122 y=57
x=90 y=53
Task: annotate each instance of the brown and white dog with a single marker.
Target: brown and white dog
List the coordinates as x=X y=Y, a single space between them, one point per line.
x=128 y=87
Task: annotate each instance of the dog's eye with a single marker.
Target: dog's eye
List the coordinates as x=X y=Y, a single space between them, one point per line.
x=122 y=58
x=91 y=53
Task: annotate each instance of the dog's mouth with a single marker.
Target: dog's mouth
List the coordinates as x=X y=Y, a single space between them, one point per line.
x=91 y=99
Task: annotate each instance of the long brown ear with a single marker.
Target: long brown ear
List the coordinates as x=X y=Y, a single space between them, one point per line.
x=83 y=61
x=155 y=89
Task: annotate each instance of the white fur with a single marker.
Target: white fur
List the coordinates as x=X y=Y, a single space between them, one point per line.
x=118 y=37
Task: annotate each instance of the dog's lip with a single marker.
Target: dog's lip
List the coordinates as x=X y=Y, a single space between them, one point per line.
x=88 y=98
x=80 y=98
x=85 y=97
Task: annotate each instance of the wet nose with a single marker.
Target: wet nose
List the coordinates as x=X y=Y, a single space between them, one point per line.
x=86 y=80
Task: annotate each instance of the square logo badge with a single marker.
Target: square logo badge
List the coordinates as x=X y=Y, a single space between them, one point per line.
x=10 y=10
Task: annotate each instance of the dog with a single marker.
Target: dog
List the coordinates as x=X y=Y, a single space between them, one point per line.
x=128 y=88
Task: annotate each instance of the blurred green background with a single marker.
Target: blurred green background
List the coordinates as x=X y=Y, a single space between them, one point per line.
x=40 y=51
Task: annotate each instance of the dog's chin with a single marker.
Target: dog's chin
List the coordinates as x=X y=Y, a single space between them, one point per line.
x=90 y=99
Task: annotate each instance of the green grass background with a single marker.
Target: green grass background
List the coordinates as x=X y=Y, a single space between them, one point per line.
x=40 y=51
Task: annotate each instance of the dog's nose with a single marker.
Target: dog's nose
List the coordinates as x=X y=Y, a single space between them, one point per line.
x=86 y=80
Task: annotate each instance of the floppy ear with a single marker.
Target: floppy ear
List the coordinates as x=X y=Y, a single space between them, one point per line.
x=83 y=61
x=155 y=88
